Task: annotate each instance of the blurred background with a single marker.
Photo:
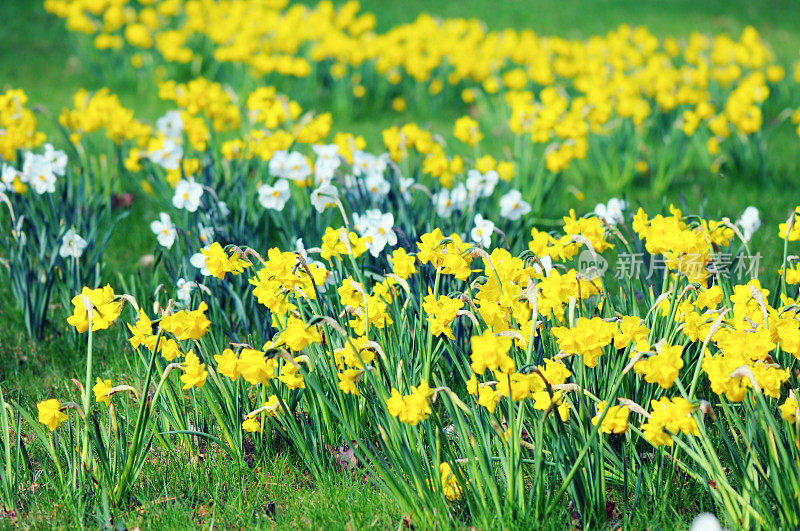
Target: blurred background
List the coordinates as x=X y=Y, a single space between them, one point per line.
x=37 y=50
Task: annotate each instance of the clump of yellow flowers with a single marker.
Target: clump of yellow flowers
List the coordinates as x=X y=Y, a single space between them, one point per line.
x=18 y=125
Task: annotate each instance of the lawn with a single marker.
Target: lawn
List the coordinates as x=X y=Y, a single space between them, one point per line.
x=39 y=55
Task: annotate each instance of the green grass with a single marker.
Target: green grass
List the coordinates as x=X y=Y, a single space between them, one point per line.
x=38 y=55
x=185 y=490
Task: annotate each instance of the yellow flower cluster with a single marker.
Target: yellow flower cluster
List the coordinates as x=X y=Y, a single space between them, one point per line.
x=18 y=125
x=103 y=110
x=713 y=83
x=96 y=307
x=686 y=249
x=412 y=408
x=509 y=303
x=669 y=417
x=201 y=96
x=218 y=262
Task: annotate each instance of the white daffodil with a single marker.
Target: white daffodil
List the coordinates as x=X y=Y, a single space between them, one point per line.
x=297 y=167
x=612 y=211
x=405 y=188
x=170 y=125
x=443 y=203
x=168 y=156
x=56 y=158
x=278 y=163
x=7 y=177
x=705 y=522
x=72 y=245
x=366 y=164
x=378 y=229
x=482 y=184
x=198 y=260
x=274 y=197
x=206 y=234
x=38 y=173
x=360 y=222
x=512 y=206
x=164 y=230
x=327 y=161
x=187 y=195
x=749 y=222
x=184 y=293
x=324 y=196
x=482 y=231
x=377 y=186
x=459 y=196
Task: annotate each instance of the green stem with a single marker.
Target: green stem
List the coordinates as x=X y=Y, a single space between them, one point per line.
x=582 y=453
x=144 y=405
x=88 y=385
x=428 y=353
